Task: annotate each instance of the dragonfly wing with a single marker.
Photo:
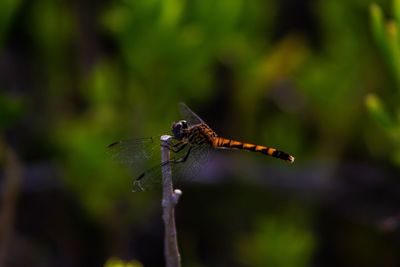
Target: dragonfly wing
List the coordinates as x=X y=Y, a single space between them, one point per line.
x=139 y=155
x=149 y=179
x=197 y=160
x=132 y=150
x=191 y=117
x=197 y=157
x=152 y=177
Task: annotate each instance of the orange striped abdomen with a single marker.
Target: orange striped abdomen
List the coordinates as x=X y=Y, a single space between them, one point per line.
x=220 y=143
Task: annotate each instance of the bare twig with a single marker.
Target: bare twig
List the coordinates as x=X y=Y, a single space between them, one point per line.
x=170 y=199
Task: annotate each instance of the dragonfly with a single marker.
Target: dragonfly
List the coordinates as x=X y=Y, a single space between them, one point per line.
x=190 y=146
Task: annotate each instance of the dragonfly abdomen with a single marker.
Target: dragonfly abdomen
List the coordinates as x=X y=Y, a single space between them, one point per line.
x=220 y=142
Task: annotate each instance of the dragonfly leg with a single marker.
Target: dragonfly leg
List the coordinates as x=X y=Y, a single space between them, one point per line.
x=137 y=181
x=176 y=147
x=168 y=144
x=179 y=148
x=184 y=158
x=143 y=174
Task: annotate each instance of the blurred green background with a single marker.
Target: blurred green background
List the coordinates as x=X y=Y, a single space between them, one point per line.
x=318 y=79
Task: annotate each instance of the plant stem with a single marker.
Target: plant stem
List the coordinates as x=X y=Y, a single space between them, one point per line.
x=169 y=200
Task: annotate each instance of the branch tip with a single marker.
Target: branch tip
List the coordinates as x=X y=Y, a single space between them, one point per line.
x=177 y=194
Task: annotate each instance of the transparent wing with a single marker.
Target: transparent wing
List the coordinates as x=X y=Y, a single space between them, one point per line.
x=149 y=179
x=152 y=177
x=136 y=154
x=200 y=156
x=132 y=150
x=197 y=158
x=191 y=117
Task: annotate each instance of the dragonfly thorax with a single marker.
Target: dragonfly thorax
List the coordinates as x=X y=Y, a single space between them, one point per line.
x=179 y=129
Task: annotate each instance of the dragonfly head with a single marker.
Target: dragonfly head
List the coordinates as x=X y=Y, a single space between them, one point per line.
x=179 y=129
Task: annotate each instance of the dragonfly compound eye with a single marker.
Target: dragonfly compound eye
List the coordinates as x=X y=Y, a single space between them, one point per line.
x=177 y=129
x=184 y=124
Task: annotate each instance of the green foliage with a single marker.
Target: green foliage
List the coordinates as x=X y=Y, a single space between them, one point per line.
x=179 y=42
x=8 y=8
x=11 y=110
x=386 y=34
x=114 y=262
x=278 y=241
x=84 y=142
x=379 y=113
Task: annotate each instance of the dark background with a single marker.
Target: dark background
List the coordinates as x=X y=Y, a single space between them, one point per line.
x=318 y=79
